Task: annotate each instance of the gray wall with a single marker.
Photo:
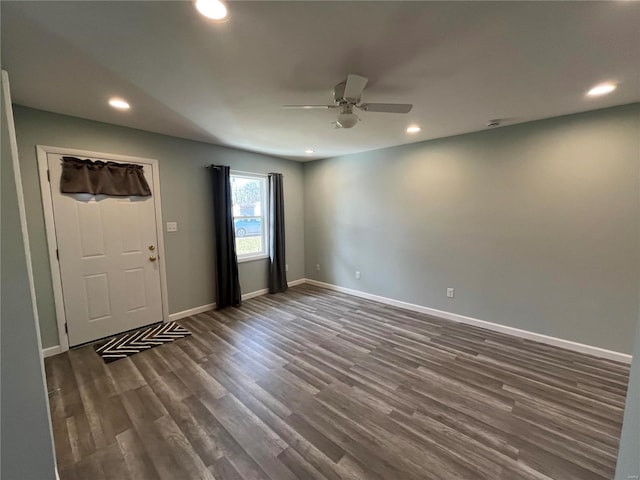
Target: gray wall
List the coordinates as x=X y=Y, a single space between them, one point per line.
x=186 y=199
x=534 y=225
x=26 y=453
x=629 y=453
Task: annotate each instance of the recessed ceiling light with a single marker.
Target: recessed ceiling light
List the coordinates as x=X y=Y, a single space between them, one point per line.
x=602 y=89
x=309 y=151
x=413 y=129
x=213 y=9
x=119 y=103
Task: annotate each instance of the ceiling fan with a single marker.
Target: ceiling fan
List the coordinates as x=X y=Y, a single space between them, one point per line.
x=347 y=95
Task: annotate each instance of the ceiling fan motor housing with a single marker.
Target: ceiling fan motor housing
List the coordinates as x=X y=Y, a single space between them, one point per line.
x=338 y=95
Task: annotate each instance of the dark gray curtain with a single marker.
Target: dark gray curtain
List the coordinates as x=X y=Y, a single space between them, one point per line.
x=277 y=259
x=227 y=281
x=103 y=178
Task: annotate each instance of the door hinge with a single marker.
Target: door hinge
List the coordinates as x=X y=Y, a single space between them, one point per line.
x=49 y=176
x=57 y=254
x=66 y=329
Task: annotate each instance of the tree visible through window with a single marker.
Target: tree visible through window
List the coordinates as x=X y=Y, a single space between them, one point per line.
x=249 y=196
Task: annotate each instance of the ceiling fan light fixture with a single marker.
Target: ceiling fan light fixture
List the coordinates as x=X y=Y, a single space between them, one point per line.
x=347 y=119
x=213 y=9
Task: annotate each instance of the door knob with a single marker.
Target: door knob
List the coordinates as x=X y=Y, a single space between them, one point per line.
x=152 y=258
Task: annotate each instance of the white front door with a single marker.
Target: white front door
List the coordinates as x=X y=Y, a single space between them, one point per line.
x=107 y=249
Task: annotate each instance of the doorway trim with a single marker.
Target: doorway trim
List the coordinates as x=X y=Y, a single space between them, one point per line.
x=52 y=243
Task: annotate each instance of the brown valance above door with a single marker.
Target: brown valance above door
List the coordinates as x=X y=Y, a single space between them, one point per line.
x=103 y=178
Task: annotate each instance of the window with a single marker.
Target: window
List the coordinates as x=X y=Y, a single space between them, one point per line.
x=249 y=197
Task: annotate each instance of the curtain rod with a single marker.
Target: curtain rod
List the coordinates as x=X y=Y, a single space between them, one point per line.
x=240 y=171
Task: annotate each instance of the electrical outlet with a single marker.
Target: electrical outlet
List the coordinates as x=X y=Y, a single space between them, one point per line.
x=286 y=267
x=172 y=226
x=451 y=292
x=357 y=274
x=317 y=267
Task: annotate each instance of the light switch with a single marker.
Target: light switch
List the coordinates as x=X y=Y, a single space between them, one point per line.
x=172 y=226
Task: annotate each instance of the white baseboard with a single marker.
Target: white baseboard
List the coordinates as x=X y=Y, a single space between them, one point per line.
x=192 y=311
x=257 y=293
x=50 y=351
x=264 y=291
x=537 y=337
x=211 y=306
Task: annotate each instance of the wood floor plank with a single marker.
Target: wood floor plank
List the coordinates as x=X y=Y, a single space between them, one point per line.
x=315 y=384
x=135 y=456
x=223 y=469
x=113 y=463
x=254 y=436
x=190 y=462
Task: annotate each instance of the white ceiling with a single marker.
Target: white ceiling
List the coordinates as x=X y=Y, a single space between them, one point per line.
x=459 y=63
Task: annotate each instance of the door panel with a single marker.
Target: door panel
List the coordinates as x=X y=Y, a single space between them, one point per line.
x=136 y=294
x=97 y=296
x=130 y=217
x=90 y=229
x=110 y=283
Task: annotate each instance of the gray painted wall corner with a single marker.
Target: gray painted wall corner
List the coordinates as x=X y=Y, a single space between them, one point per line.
x=25 y=453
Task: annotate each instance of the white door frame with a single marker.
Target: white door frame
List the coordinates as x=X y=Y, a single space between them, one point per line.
x=49 y=219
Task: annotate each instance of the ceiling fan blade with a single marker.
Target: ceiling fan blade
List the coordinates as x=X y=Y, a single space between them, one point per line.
x=354 y=86
x=309 y=107
x=386 y=107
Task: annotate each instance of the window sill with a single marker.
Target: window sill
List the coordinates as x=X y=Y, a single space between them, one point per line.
x=252 y=258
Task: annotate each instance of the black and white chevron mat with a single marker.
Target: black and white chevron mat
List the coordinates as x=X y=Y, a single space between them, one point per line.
x=140 y=340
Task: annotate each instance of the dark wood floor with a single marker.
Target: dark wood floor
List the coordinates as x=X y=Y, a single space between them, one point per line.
x=314 y=384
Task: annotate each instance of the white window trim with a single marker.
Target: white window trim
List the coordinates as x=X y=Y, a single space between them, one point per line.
x=265 y=216
x=251 y=258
